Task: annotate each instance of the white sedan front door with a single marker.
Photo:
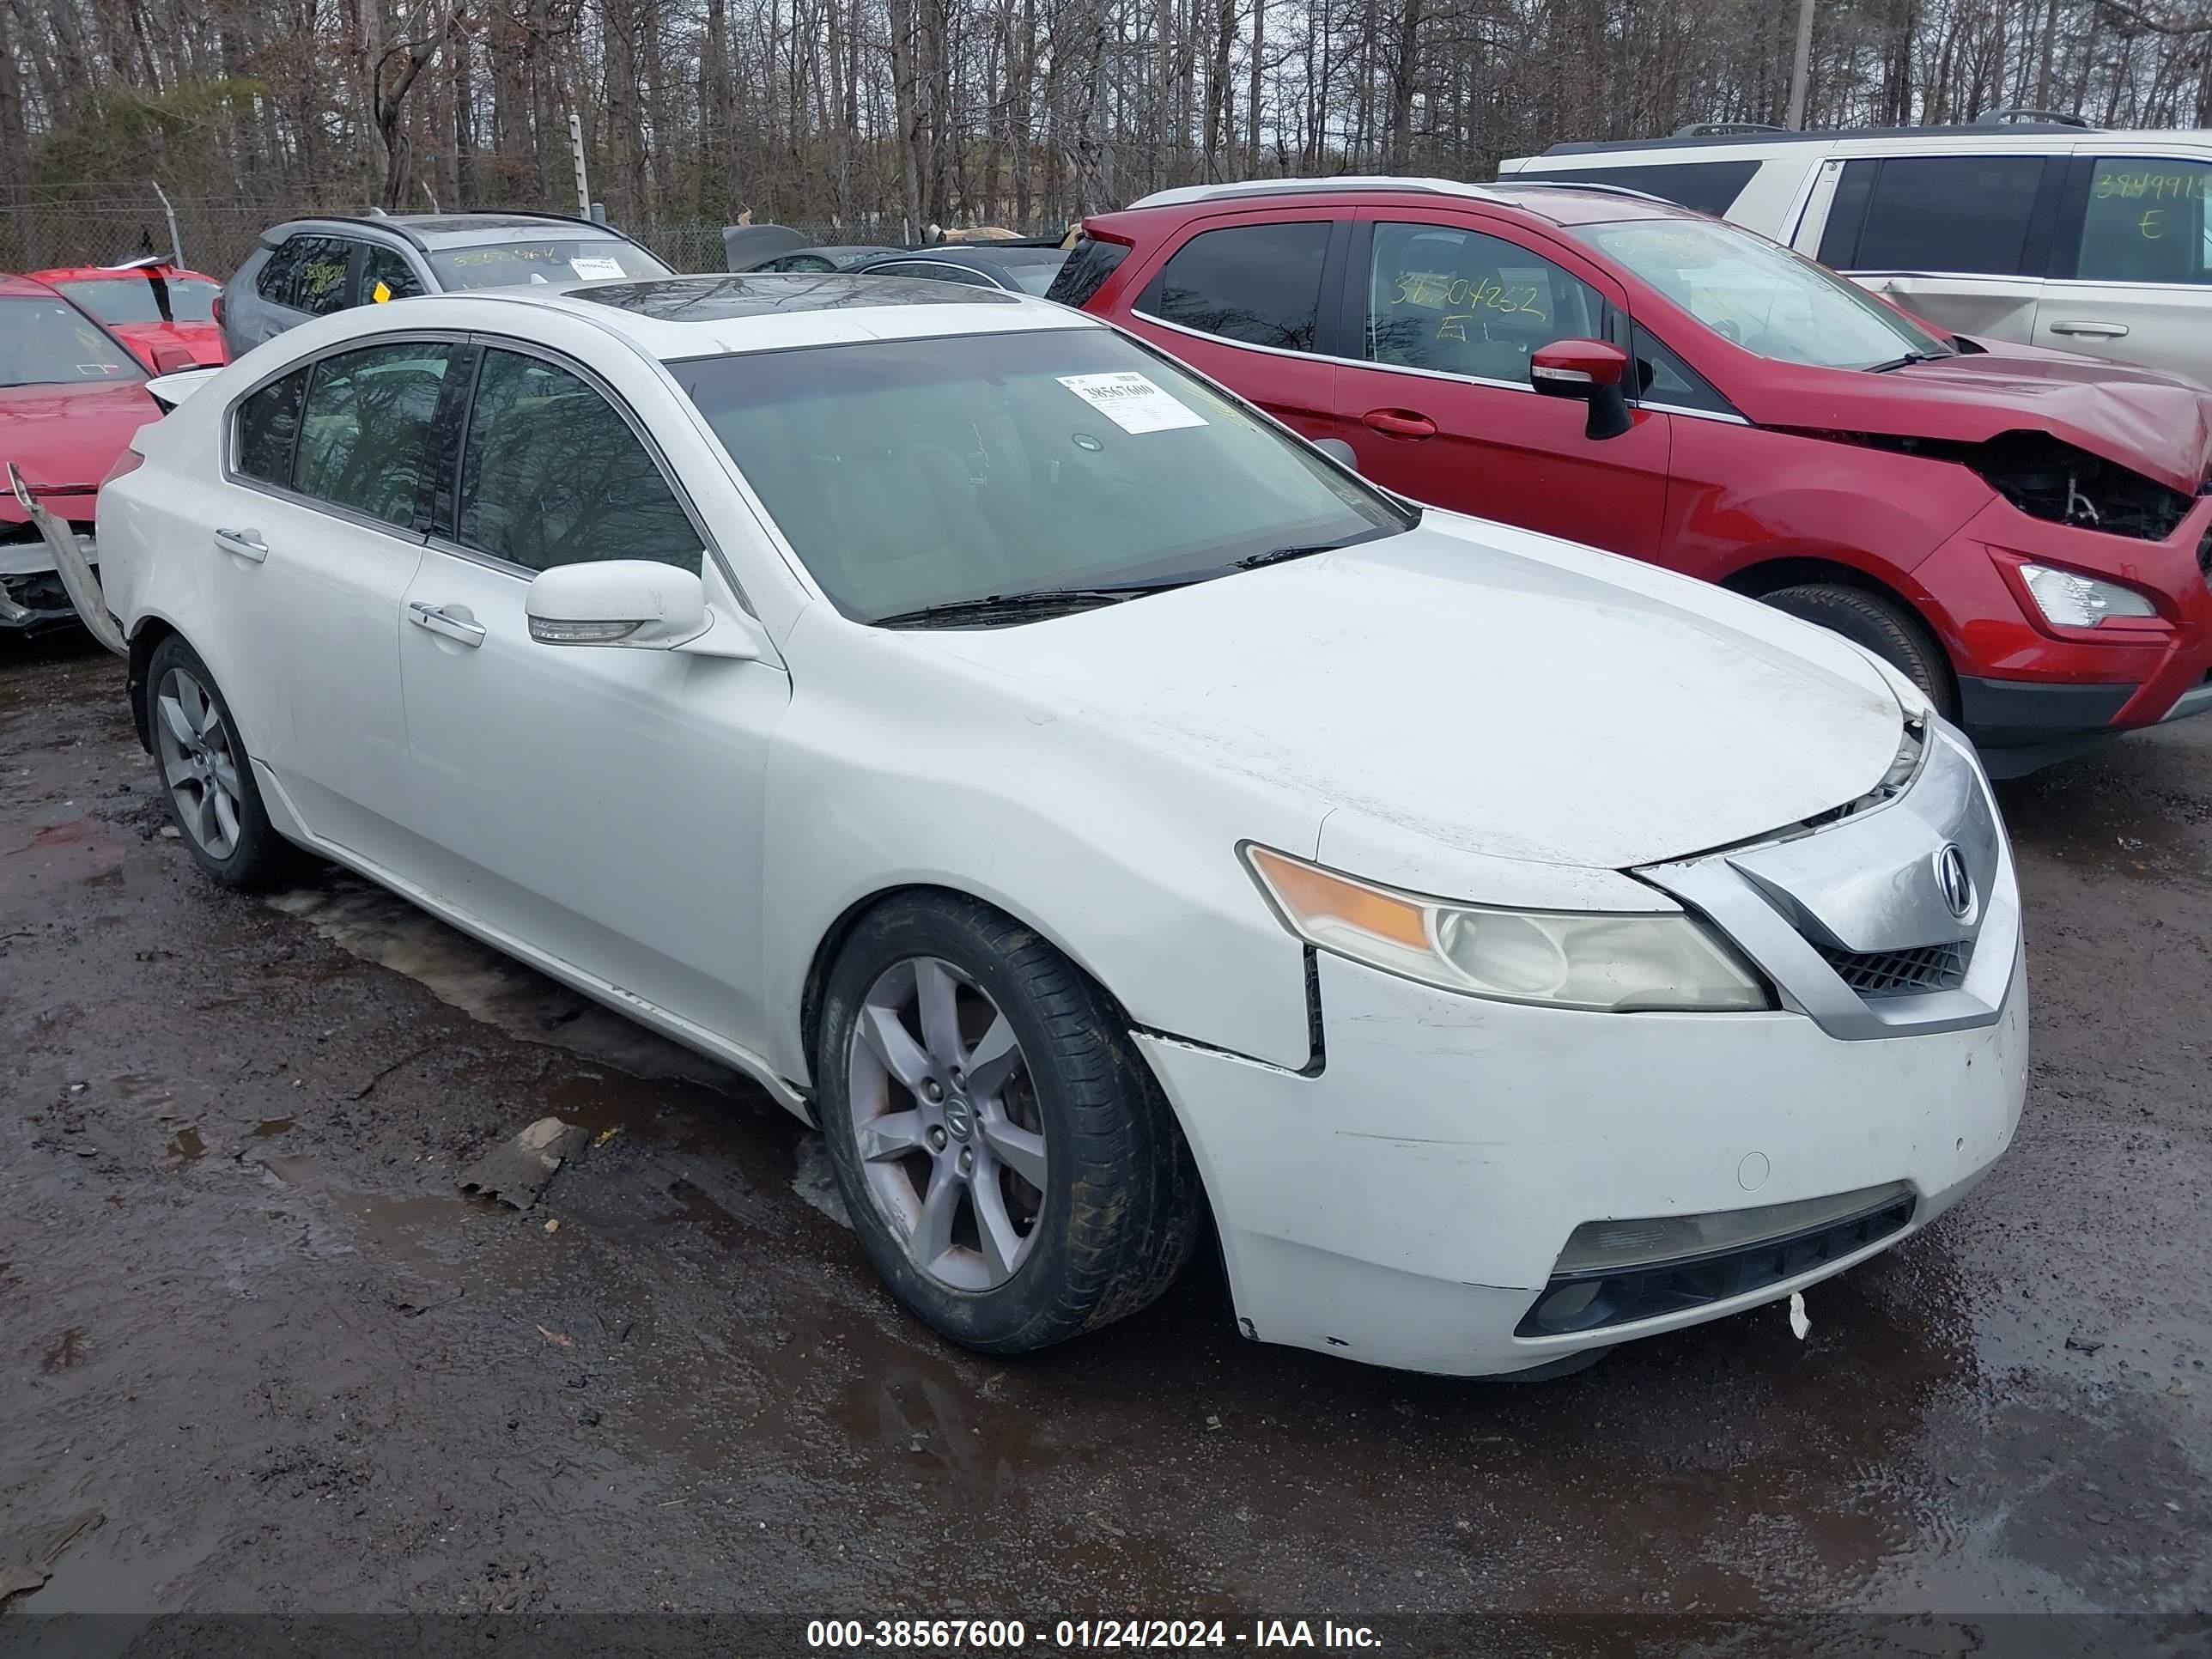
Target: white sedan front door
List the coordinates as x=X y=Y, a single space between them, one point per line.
x=598 y=805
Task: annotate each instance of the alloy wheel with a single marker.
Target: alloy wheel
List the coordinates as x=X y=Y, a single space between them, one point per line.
x=944 y=1115
x=198 y=762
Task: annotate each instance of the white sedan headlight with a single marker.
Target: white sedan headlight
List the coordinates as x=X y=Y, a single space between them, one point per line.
x=2074 y=600
x=1595 y=960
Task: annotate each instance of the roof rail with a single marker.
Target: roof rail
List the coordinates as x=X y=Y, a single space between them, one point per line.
x=1296 y=186
x=1723 y=128
x=1517 y=182
x=2007 y=117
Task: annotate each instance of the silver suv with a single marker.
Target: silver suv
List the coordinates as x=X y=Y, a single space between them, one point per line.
x=310 y=267
x=2039 y=231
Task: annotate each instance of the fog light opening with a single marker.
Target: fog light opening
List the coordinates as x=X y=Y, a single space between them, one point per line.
x=1575 y=1307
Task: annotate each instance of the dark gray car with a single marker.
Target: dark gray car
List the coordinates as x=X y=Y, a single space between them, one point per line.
x=1016 y=267
x=310 y=267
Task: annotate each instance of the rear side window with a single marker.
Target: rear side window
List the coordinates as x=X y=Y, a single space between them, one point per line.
x=1257 y=284
x=308 y=274
x=387 y=268
x=1708 y=186
x=2145 y=221
x=551 y=474
x=1950 y=214
x=365 y=430
x=268 y=427
x=1086 y=271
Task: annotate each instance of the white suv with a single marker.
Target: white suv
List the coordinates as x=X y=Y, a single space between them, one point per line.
x=2041 y=232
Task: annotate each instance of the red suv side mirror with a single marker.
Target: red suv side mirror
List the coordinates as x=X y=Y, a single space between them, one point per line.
x=1590 y=370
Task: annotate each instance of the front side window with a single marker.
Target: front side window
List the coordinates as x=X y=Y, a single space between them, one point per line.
x=1950 y=214
x=549 y=259
x=365 y=429
x=1666 y=378
x=551 y=474
x=387 y=268
x=2146 y=222
x=1464 y=302
x=269 y=428
x=50 y=343
x=1260 y=284
x=1763 y=297
x=908 y=474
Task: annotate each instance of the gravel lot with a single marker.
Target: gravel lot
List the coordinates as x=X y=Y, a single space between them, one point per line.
x=246 y=1315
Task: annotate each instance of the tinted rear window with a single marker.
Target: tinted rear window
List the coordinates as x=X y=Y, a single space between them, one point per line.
x=1950 y=213
x=1085 y=272
x=1708 y=186
x=135 y=300
x=1257 y=284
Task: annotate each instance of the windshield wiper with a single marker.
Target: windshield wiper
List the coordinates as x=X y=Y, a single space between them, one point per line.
x=1279 y=555
x=1908 y=360
x=1037 y=601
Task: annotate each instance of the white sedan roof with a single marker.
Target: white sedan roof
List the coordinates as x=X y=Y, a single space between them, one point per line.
x=673 y=317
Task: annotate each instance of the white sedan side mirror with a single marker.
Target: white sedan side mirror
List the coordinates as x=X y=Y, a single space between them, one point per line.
x=638 y=603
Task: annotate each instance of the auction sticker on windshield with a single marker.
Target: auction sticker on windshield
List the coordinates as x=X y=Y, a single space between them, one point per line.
x=590 y=269
x=1131 y=401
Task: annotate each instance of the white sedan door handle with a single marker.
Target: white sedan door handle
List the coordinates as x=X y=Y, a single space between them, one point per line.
x=434 y=617
x=2101 y=331
x=246 y=543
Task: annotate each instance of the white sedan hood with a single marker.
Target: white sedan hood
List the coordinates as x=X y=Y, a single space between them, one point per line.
x=1486 y=689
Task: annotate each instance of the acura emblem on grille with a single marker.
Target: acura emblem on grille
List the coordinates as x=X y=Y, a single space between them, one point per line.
x=1957 y=886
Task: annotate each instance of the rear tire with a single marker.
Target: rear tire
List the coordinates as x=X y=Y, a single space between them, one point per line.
x=1022 y=1180
x=1891 y=632
x=207 y=774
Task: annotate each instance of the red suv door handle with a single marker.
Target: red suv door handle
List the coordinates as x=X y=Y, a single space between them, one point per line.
x=1400 y=423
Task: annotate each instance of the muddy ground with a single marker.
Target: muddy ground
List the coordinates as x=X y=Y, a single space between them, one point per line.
x=247 y=1316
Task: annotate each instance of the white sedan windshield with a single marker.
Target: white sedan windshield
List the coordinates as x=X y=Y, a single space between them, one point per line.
x=913 y=474
x=1762 y=296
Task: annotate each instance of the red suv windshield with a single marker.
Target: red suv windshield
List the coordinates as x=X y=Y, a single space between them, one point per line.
x=1764 y=298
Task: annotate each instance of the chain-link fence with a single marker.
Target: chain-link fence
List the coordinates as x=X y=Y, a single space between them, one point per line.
x=40 y=232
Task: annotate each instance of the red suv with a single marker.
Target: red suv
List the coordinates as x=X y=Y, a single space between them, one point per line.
x=2026 y=533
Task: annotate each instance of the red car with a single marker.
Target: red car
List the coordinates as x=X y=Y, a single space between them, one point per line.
x=2026 y=533
x=71 y=397
x=148 y=304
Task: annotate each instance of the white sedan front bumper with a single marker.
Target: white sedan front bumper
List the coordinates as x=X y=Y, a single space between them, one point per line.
x=1406 y=1205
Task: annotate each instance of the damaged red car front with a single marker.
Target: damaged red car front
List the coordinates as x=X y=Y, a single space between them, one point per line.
x=70 y=398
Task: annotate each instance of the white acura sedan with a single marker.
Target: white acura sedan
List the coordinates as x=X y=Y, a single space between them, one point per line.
x=1107 y=818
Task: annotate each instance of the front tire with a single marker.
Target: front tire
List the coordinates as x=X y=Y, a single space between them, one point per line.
x=207 y=774
x=1891 y=632
x=1011 y=1167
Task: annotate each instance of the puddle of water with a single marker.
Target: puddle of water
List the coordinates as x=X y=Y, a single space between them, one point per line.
x=186 y=1146
x=270 y=1127
x=383 y=928
x=100 y=1573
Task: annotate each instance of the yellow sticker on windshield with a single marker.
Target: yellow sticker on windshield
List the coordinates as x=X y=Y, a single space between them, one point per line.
x=380 y=293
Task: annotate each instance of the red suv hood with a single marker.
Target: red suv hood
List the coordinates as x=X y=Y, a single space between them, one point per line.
x=64 y=438
x=2155 y=424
